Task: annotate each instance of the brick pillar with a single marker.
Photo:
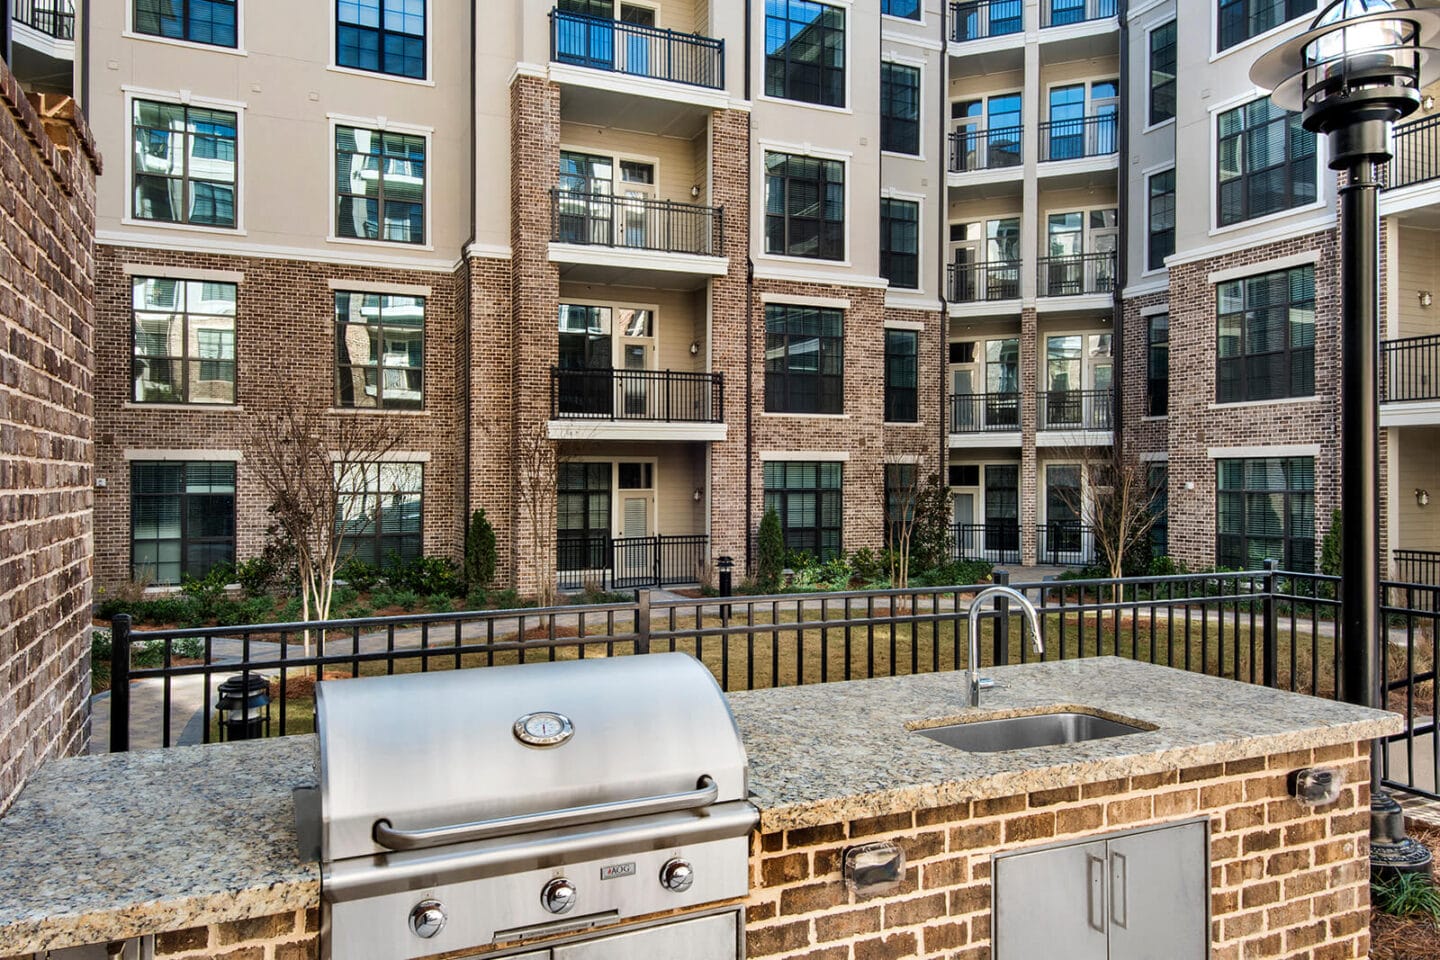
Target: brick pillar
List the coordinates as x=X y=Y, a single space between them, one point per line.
x=485 y=300
x=1029 y=468
x=535 y=296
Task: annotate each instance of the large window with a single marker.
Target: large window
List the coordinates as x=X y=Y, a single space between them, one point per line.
x=1267 y=162
x=899 y=108
x=184 y=164
x=905 y=9
x=1162 y=73
x=804 y=359
x=384 y=36
x=1002 y=508
x=1157 y=479
x=809 y=499
x=184 y=341
x=901 y=376
x=805 y=51
x=1266 y=348
x=1161 y=226
x=804 y=206
x=379 y=351
x=900 y=243
x=1242 y=19
x=182 y=519
x=900 y=494
x=1157 y=366
x=378 y=510
x=1266 y=512
x=198 y=21
x=379 y=185
x=582 y=517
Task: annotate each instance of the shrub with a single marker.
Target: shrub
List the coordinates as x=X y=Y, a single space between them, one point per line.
x=930 y=536
x=424 y=575
x=479 y=552
x=406 y=600
x=256 y=575
x=207 y=593
x=507 y=600
x=958 y=573
x=869 y=566
x=440 y=603
x=357 y=573
x=1408 y=895
x=771 y=553
x=1330 y=553
x=836 y=573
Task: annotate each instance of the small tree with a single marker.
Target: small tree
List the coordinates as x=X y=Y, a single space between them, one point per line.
x=770 y=549
x=1120 y=506
x=479 y=553
x=1330 y=554
x=537 y=466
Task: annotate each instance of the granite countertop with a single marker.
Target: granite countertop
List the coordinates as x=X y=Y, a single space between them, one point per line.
x=839 y=751
x=107 y=847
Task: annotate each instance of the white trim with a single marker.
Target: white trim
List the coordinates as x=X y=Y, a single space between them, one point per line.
x=336 y=120
x=803 y=456
x=1148 y=70
x=234 y=456
x=370 y=286
x=1313 y=225
x=394 y=456
x=1423 y=413
x=1145 y=177
x=644 y=430
x=168 y=272
x=488 y=251
x=185 y=407
x=1279 y=402
x=757 y=187
x=187 y=99
x=372 y=411
x=593 y=79
x=1074 y=438
x=904 y=458
x=919 y=202
x=802 y=149
x=1215 y=53
x=1213 y=129
x=1303 y=259
x=1320 y=204
x=129 y=221
x=624 y=258
x=794 y=299
x=1277 y=450
x=758 y=67
x=524 y=68
x=898 y=299
x=917 y=64
x=235 y=51
x=1150 y=282
x=982 y=441
x=120 y=238
x=804 y=416
x=890 y=36
x=1155 y=456
x=26 y=36
x=379 y=75
x=915 y=325
x=333 y=63
x=1155 y=309
x=764 y=271
x=382 y=123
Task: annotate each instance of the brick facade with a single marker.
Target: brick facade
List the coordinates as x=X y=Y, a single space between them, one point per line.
x=47 y=221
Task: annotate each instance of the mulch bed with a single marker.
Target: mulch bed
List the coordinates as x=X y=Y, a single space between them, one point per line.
x=1407 y=938
x=301 y=686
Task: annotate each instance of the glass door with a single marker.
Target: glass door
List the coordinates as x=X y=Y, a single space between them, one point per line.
x=635 y=549
x=585 y=357
x=1002 y=512
x=637 y=182
x=585 y=207
x=1065 y=243
x=1064 y=371
x=635 y=359
x=1002 y=383
x=1067 y=122
x=1063 y=534
x=1105 y=108
x=586 y=38
x=1103 y=238
x=634 y=53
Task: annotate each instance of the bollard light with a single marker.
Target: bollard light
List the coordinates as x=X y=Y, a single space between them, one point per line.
x=243 y=706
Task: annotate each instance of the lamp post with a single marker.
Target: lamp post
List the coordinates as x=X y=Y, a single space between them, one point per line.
x=1357 y=70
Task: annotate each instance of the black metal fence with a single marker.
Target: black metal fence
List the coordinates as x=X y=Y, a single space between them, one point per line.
x=1077 y=275
x=995 y=149
x=55 y=18
x=1076 y=409
x=659 y=396
x=978 y=19
x=629 y=563
x=1065 y=543
x=1410 y=369
x=995 y=541
x=985 y=413
x=636 y=223
x=619 y=46
x=1416 y=158
x=1060 y=13
x=1080 y=137
x=983 y=282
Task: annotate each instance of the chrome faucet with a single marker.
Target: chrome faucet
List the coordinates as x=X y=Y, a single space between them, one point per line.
x=1026 y=607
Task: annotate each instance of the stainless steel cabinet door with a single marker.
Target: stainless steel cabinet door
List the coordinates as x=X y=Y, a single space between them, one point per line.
x=1051 y=903
x=1159 y=887
x=708 y=938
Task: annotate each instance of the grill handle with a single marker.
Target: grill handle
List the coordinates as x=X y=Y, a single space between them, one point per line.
x=388 y=837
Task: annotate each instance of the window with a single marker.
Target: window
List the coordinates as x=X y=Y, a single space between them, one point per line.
x=582 y=517
x=198 y=21
x=1266 y=348
x=901 y=488
x=1267 y=162
x=804 y=207
x=905 y=9
x=383 y=36
x=964 y=474
x=379 y=185
x=1157 y=366
x=378 y=511
x=379 y=351
x=1157 y=478
x=1242 y=19
x=1002 y=508
x=182 y=519
x=899 y=108
x=184 y=164
x=900 y=243
x=1161 y=228
x=184 y=341
x=1266 y=512
x=805 y=52
x=804 y=360
x=809 y=499
x=901 y=376
x=1162 y=73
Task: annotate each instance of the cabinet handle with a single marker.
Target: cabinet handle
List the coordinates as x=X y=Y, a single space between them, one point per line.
x=1119 y=894
x=1095 y=888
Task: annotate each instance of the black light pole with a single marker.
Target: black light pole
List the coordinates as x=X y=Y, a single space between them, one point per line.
x=1352 y=75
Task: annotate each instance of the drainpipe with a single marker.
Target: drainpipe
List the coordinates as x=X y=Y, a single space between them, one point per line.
x=943 y=232
x=749 y=404
x=747 y=53
x=1122 y=241
x=468 y=433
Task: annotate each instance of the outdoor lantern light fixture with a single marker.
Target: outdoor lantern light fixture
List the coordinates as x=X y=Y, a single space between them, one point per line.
x=1426 y=298
x=1358 y=69
x=243 y=706
x=1422 y=498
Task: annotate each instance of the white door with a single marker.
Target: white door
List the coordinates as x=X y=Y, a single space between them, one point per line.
x=639 y=226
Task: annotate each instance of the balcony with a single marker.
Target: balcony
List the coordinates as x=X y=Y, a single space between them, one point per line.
x=1063 y=13
x=629 y=563
x=636 y=405
x=1416 y=149
x=983 y=282
x=972 y=151
x=1079 y=138
x=1076 y=411
x=1418 y=566
x=1065 y=543
x=1086 y=274
x=981 y=19
x=54 y=18
x=42 y=54
x=1410 y=381
x=995 y=541
x=603 y=238
x=985 y=420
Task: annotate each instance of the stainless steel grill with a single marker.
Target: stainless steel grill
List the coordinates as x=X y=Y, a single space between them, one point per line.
x=498 y=807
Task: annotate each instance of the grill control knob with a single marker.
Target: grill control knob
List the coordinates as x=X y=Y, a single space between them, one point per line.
x=558 y=896
x=427 y=918
x=677 y=875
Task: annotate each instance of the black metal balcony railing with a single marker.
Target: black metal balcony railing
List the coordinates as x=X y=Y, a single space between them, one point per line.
x=983 y=282
x=55 y=18
x=1060 y=13
x=1416 y=148
x=638 y=50
x=1076 y=410
x=985 y=413
x=636 y=223
x=978 y=19
x=1418 y=566
x=1074 y=276
x=1065 y=543
x=995 y=541
x=628 y=563
x=656 y=396
x=996 y=149
x=1080 y=137
x=1410 y=369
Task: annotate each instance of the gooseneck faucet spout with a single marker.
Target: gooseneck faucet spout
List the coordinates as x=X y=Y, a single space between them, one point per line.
x=990 y=594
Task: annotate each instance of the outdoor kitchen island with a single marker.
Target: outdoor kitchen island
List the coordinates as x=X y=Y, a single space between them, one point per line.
x=197 y=844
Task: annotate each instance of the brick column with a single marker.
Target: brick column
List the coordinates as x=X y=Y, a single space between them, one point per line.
x=485 y=302
x=1029 y=419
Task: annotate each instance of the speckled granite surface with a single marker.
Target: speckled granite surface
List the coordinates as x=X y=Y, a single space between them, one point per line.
x=104 y=846
x=833 y=752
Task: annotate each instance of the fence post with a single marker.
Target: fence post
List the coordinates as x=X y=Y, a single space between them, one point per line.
x=642 y=621
x=1271 y=626
x=1002 y=622
x=120 y=683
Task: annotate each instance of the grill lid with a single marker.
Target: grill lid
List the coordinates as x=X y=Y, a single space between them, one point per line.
x=498 y=750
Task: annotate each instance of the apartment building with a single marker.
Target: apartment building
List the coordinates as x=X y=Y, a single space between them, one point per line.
x=716 y=258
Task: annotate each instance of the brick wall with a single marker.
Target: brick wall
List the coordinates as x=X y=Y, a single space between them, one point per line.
x=47 y=222
x=1285 y=881
x=1142 y=433
x=485 y=301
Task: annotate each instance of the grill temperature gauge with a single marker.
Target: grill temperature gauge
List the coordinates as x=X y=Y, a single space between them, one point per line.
x=543 y=729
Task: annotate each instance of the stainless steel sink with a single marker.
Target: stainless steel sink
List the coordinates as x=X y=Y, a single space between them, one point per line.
x=1035 y=730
